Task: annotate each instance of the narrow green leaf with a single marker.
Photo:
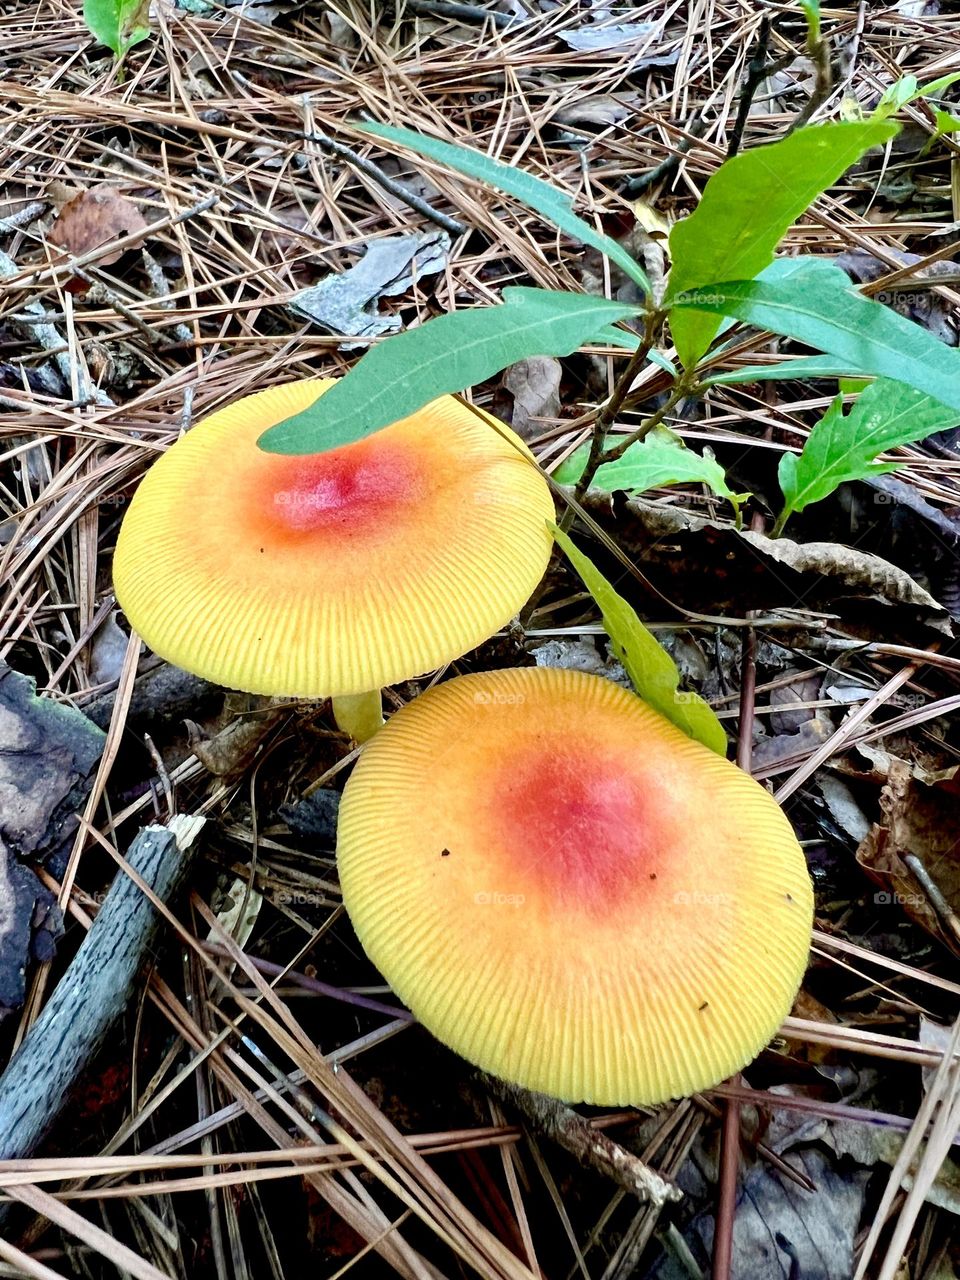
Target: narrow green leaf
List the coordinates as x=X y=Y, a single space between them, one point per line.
x=798 y=368
x=936 y=87
x=118 y=24
x=449 y=353
x=842 y=447
x=818 y=307
x=779 y=269
x=660 y=459
x=747 y=207
x=544 y=198
x=652 y=671
x=658 y=358
x=612 y=336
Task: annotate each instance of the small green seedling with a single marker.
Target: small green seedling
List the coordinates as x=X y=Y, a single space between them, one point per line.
x=723 y=270
x=843 y=447
x=908 y=89
x=119 y=24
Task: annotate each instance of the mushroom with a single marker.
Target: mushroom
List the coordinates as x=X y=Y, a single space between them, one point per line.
x=333 y=574
x=571 y=893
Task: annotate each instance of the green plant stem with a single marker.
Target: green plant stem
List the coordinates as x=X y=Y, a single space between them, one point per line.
x=780 y=522
x=679 y=392
x=818 y=50
x=359 y=714
x=608 y=413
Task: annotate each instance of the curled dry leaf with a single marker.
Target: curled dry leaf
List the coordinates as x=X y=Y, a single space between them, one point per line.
x=93 y=218
x=735 y=571
x=920 y=816
x=599 y=109
x=244 y=722
x=855 y=570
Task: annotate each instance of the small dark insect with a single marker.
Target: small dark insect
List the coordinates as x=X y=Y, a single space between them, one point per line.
x=653 y=875
x=705 y=1005
x=444 y=853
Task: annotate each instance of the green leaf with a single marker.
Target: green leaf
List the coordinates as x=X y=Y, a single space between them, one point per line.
x=945 y=122
x=895 y=96
x=544 y=198
x=612 y=336
x=652 y=671
x=798 y=368
x=629 y=341
x=660 y=459
x=853 y=386
x=842 y=447
x=659 y=359
x=747 y=207
x=819 y=307
x=400 y=375
x=937 y=87
x=119 y=24
x=907 y=89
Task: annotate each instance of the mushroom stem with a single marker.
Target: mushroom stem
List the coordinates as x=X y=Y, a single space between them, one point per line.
x=359 y=714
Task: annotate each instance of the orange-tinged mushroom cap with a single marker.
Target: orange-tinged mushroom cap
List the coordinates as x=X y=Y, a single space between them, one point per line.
x=571 y=893
x=334 y=573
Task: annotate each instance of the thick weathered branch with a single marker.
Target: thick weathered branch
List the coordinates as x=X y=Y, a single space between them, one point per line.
x=92 y=995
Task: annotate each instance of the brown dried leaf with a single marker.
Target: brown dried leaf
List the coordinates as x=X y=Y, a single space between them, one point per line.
x=245 y=721
x=93 y=218
x=733 y=571
x=856 y=570
x=921 y=815
x=534 y=386
x=600 y=109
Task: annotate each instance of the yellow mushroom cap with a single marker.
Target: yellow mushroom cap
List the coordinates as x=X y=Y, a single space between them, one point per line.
x=334 y=573
x=569 y=892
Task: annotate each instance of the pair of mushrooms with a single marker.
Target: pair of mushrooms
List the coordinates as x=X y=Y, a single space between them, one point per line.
x=562 y=886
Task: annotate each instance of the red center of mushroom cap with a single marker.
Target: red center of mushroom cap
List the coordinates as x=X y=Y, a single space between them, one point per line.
x=349 y=487
x=580 y=830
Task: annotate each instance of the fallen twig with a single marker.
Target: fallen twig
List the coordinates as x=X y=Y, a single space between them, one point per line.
x=561 y=1124
x=384 y=180
x=93 y=993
